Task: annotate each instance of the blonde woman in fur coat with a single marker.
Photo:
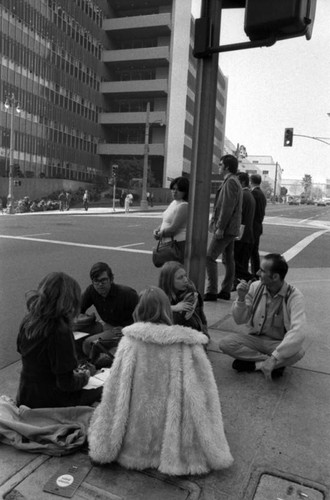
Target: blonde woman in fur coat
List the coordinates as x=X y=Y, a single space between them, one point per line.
x=160 y=406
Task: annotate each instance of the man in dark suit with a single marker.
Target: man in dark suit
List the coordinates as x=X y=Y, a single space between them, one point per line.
x=225 y=225
x=259 y=214
x=243 y=246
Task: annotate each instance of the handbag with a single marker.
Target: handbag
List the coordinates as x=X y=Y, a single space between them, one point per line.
x=164 y=252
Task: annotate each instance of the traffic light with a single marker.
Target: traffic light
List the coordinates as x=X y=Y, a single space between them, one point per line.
x=114 y=170
x=279 y=18
x=16 y=170
x=288 y=136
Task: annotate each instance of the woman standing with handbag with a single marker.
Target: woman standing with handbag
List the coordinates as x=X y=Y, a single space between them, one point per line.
x=175 y=217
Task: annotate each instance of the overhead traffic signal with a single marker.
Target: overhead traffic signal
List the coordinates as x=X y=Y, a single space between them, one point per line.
x=288 y=136
x=114 y=170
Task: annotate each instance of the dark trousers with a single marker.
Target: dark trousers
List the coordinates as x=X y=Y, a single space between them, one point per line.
x=255 y=258
x=242 y=253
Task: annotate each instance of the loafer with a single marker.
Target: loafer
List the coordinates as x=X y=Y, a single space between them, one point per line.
x=210 y=297
x=240 y=365
x=278 y=372
x=223 y=295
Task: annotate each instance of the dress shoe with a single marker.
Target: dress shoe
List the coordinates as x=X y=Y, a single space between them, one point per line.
x=241 y=365
x=223 y=295
x=210 y=297
x=278 y=372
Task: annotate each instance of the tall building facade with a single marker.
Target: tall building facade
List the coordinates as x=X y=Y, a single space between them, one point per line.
x=149 y=60
x=50 y=63
x=84 y=72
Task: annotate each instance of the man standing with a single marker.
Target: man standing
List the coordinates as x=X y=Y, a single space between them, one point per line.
x=243 y=246
x=259 y=215
x=114 y=303
x=225 y=225
x=274 y=313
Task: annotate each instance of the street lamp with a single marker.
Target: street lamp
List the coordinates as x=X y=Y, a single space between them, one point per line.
x=13 y=104
x=144 y=202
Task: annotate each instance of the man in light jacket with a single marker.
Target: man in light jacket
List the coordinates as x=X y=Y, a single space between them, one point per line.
x=274 y=313
x=225 y=225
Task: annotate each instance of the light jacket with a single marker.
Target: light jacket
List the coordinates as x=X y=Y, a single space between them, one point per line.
x=293 y=314
x=160 y=406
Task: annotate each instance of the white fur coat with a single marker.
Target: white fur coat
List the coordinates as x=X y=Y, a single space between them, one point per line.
x=160 y=406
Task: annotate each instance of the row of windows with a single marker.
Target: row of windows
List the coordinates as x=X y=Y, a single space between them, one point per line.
x=90 y=8
x=72 y=28
x=48 y=107
x=130 y=106
x=34 y=145
x=134 y=74
x=57 y=58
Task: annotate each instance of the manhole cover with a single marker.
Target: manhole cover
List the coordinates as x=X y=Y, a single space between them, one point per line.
x=277 y=488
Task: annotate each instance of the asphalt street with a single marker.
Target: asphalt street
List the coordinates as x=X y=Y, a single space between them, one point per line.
x=33 y=245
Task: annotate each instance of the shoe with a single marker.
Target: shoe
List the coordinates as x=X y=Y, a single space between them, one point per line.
x=223 y=295
x=278 y=372
x=244 y=366
x=211 y=297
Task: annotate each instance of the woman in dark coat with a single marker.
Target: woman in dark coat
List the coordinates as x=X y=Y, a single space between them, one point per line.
x=49 y=376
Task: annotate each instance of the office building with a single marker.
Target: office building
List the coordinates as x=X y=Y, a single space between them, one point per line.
x=83 y=73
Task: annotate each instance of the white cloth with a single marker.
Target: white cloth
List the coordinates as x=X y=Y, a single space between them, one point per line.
x=169 y=216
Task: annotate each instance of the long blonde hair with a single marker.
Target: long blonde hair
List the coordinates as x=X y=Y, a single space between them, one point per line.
x=154 y=307
x=56 y=298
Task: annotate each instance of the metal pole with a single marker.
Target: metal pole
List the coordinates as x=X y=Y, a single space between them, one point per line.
x=114 y=194
x=275 y=182
x=144 y=202
x=202 y=154
x=10 y=198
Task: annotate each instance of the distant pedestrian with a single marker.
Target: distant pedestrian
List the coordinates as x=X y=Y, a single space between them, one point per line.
x=68 y=199
x=86 y=199
x=128 y=201
x=62 y=200
x=274 y=313
x=259 y=215
x=1 y=205
x=225 y=226
x=122 y=198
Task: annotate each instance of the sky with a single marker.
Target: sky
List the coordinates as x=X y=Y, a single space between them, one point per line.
x=272 y=88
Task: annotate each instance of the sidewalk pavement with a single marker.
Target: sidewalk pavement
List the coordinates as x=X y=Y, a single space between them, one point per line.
x=278 y=432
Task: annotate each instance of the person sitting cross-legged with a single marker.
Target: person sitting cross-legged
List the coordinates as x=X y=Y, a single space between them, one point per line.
x=114 y=304
x=274 y=313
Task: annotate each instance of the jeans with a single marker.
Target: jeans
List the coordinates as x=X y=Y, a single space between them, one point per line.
x=219 y=246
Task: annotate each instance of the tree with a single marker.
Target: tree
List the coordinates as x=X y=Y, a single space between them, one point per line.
x=267 y=188
x=295 y=189
x=307 y=185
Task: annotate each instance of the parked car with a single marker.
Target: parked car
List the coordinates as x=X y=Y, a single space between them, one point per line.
x=293 y=201
x=310 y=202
x=320 y=203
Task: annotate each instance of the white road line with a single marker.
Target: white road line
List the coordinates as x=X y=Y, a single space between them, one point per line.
x=37 y=234
x=288 y=255
x=131 y=245
x=73 y=244
x=293 y=251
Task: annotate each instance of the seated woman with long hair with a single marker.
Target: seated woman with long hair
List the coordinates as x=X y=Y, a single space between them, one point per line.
x=160 y=406
x=49 y=376
x=186 y=302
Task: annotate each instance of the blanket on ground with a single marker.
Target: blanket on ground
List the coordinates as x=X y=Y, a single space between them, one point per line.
x=52 y=431
x=160 y=406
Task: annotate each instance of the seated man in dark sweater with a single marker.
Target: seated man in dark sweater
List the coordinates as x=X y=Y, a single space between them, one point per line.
x=114 y=303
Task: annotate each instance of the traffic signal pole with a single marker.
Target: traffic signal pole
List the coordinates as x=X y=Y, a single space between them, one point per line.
x=202 y=151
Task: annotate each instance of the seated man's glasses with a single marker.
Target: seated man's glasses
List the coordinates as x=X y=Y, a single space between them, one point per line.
x=101 y=282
